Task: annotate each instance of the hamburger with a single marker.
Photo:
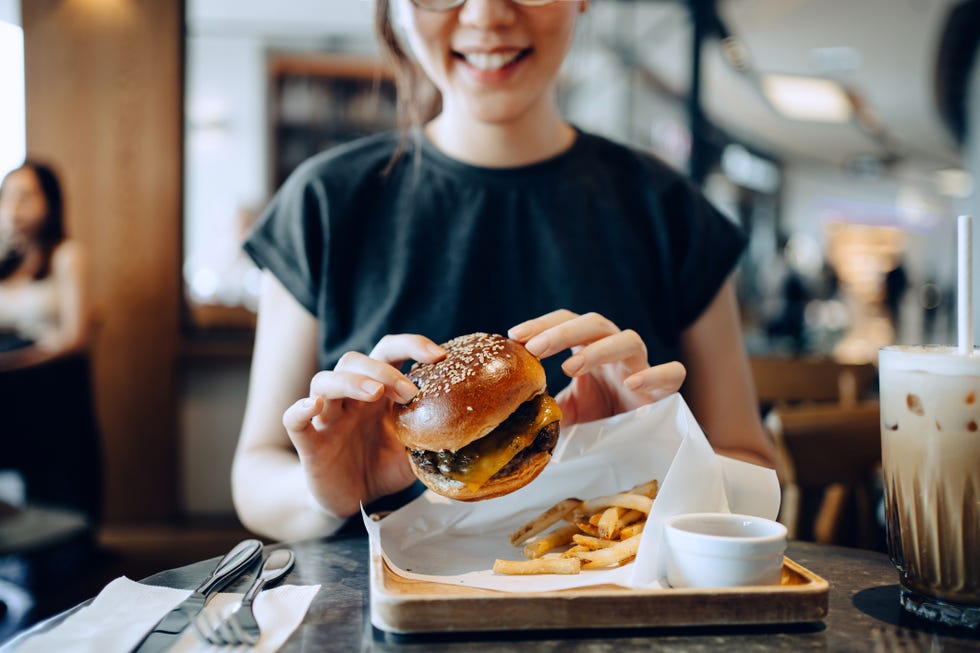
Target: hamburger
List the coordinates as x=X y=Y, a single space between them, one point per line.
x=482 y=424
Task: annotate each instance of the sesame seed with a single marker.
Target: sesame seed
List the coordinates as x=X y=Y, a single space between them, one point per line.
x=458 y=365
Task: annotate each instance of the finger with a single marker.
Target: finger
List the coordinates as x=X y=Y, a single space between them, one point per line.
x=659 y=380
x=339 y=384
x=625 y=347
x=396 y=349
x=396 y=385
x=575 y=332
x=530 y=328
x=297 y=417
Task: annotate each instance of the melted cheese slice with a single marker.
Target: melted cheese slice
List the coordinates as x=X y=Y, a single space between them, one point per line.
x=491 y=453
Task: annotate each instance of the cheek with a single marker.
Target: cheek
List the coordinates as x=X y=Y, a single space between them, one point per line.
x=558 y=28
x=428 y=44
x=37 y=208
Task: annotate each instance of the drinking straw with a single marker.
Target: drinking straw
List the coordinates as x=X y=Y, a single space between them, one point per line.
x=964 y=284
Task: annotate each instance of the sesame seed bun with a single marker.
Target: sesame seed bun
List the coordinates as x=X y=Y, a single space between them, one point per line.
x=485 y=381
x=481 y=381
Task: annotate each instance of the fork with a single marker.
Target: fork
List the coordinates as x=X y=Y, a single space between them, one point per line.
x=238 y=626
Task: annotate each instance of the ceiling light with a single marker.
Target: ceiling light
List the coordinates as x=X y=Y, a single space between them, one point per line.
x=807 y=98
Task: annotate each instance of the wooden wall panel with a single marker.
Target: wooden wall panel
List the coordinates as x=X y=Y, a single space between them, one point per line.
x=103 y=82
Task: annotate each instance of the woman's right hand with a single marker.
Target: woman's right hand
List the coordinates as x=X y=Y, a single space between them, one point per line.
x=343 y=432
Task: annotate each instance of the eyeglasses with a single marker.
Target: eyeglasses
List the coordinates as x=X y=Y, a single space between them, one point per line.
x=446 y=5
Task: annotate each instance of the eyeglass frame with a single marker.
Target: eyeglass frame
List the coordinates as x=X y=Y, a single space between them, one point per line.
x=421 y=4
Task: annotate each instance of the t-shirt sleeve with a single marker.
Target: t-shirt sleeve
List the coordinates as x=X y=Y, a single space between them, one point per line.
x=706 y=245
x=290 y=237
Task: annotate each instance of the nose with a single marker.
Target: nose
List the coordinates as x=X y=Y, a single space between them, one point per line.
x=485 y=14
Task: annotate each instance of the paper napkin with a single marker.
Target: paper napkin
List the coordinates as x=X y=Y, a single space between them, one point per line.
x=124 y=611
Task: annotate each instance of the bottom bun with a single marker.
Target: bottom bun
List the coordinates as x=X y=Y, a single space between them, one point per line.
x=518 y=473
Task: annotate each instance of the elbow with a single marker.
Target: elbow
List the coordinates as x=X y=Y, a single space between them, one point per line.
x=247 y=508
x=284 y=512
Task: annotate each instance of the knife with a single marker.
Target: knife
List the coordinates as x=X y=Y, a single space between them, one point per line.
x=169 y=629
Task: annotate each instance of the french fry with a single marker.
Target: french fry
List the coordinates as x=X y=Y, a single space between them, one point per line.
x=648 y=489
x=623 y=500
x=633 y=529
x=578 y=548
x=591 y=543
x=587 y=528
x=608 y=519
x=538 y=546
x=603 y=532
x=538 y=566
x=543 y=521
x=631 y=517
x=610 y=556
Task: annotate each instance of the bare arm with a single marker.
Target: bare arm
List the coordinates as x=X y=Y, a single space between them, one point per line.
x=719 y=385
x=269 y=487
x=70 y=270
x=303 y=466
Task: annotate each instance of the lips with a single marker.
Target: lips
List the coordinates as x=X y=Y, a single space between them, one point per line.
x=492 y=61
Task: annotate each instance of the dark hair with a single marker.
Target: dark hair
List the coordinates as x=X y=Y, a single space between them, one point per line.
x=52 y=230
x=418 y=100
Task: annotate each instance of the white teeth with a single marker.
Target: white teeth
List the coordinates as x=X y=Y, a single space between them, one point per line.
x=490 y=60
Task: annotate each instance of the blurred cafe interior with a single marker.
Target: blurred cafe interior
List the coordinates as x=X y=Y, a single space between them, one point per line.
x=836 y=133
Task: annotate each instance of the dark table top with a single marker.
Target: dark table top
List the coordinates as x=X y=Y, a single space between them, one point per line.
x=864 y=614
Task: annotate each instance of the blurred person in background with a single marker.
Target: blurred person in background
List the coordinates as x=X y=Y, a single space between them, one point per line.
x=49 y=432
x=44 y=290
x=489 y=212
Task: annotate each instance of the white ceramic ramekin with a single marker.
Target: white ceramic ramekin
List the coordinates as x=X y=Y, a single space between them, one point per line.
x=710 y=549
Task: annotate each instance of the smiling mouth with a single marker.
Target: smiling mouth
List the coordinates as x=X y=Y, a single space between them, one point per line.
x=489 y=61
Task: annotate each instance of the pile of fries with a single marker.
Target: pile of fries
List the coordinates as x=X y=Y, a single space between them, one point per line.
x=601 y=532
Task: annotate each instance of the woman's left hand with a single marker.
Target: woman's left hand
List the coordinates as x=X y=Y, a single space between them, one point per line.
x=609 y=368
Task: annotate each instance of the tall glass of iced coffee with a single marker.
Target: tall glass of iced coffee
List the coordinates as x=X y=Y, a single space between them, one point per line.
x=930 y=438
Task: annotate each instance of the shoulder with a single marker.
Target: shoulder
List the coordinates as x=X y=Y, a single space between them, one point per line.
x=621 y=158
x=346 y=164
x=68 y=255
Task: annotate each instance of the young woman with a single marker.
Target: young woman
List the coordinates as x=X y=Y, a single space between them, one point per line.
x=44 y=333
x=488 y=213
x=44 y=295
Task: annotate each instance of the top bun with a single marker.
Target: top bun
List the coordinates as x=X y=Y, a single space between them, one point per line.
x=481 y=381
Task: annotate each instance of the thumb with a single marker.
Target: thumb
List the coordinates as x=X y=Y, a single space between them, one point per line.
x=298 y=421
x=567 y=404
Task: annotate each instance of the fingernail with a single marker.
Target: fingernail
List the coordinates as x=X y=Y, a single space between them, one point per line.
x=435 y=350
x=518 y=332
x=573 y=365
x=406 y=389
x=308 y=403
x=371 y=388
x=536 y=346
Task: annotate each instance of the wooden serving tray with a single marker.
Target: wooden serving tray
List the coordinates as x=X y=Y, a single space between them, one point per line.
x=403 y=605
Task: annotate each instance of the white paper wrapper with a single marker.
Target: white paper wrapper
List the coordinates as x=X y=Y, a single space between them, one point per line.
x=445 y=541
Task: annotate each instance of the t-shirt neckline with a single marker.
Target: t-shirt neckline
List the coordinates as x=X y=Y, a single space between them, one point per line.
x=547 y=166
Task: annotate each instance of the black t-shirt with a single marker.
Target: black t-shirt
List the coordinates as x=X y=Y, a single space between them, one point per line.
x=443 y=248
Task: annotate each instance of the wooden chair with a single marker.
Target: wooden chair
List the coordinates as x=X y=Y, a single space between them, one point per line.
x=834 y=451
x=789 y=381
x=828 y=445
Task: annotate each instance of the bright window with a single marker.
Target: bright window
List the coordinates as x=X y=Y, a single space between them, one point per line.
x=12 y=126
